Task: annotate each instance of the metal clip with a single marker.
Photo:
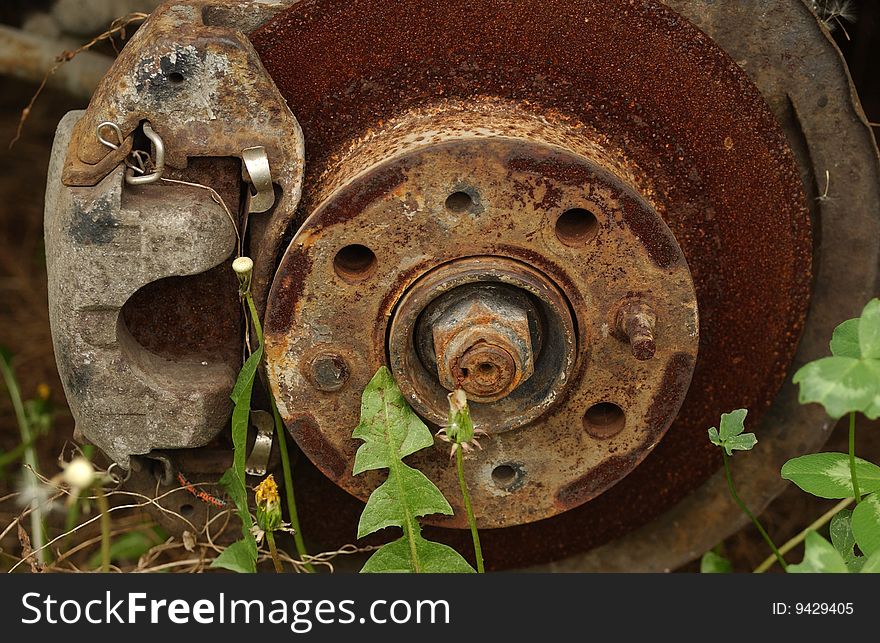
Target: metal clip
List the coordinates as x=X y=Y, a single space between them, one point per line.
x=115 y=129
x=258 y=460
x=158 y=160
x=256 y=171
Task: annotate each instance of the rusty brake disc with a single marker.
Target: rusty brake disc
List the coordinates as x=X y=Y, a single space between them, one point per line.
x=623 y=111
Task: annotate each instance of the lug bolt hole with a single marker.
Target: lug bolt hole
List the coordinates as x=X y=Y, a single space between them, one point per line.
x=354 y=262
x=505 y=476
x=459 y=202
x=604 y=420
x=576 y=227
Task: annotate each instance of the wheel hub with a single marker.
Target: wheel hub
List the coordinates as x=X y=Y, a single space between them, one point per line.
x=517 y=268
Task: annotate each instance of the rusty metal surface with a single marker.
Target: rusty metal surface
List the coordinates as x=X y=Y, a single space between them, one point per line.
x=555 y=337
x=103 y=244
x=157 y=374
x=660 y=100
x=480 y=339
x=803 y=77
x=203 y=88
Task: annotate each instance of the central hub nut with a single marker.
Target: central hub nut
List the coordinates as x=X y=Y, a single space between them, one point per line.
x=483 y=345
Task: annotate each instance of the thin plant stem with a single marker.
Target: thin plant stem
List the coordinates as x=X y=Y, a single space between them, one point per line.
x=852 y=457
x=255 y=318
x=288 y=488
x=104 y=508
x=273 y=550
x=472 y=521
x=745 y=510
x=73 y=511
x=282 y=447
x=798 y=539
x=30 y=457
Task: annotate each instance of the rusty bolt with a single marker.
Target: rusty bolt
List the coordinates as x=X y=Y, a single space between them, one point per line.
x=328 y=371
x=483 y=345
x=636 y=321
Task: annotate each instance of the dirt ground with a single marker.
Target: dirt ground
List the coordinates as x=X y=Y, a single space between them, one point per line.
x=24 y=327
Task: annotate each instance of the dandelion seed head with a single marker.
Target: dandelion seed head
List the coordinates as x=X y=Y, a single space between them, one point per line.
x=243 y=266
x=79 y=473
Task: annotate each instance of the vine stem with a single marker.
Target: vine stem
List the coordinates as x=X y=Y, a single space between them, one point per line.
x=472 y=521
x=285 y=456
x=798 y=539
x=852 y=456
x=273 y=550
x=104 y=508
x=746 y=511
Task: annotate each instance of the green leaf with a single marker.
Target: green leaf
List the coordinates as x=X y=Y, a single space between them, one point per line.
x=233 y=479
x=387 y=505
x=241 y=397
x=389 y=428
x=712 y=563
x=732 y=423
x=872 y=564
x=820 y=557
x=856 y=564
x=435 y=558
x=827 y=475
x=845 y=340
x=390 y=431
x=731 y=437
x=866 y=523
x=236 y=491
x=842 y=537
x=841 y=385
x=844 y=541
x=869 y=330
x=850 y=380
x=238 y=557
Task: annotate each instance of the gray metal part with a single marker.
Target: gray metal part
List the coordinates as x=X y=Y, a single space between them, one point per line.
x=805 y=81
x=103 y=243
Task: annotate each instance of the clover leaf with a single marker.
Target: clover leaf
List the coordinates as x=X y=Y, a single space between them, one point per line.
x=730 y=436
x=849 y=380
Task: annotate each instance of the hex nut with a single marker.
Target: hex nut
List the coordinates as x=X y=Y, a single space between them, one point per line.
x=483 y=345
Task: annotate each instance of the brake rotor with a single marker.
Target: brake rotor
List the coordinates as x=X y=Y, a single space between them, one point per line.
x=624 y=111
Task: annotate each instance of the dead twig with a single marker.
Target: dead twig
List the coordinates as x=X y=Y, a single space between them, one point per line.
x=118 y=27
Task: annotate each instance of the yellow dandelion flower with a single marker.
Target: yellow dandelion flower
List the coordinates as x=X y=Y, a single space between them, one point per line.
x=267 y=491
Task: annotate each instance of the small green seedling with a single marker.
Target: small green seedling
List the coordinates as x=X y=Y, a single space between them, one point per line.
x=730 y=436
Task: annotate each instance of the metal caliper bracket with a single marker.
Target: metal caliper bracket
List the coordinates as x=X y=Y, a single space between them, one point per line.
x=103 y=243
x=205 y=92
